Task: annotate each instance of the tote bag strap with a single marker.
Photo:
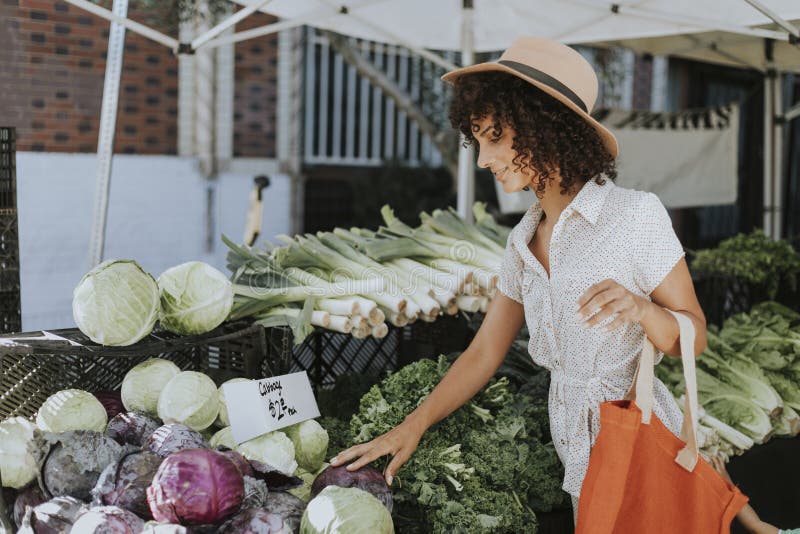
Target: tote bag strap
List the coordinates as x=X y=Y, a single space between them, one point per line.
x=642 y=392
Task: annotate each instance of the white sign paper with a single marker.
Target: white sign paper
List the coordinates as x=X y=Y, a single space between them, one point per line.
x=261 y=406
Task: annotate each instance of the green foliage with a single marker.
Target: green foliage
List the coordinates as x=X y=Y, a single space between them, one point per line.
x=484 y=468
x=753 y=258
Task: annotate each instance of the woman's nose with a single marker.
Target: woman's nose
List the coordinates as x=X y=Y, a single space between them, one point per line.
x=484 y=159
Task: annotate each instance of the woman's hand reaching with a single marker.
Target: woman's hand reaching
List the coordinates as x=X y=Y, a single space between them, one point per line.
x=399 y=443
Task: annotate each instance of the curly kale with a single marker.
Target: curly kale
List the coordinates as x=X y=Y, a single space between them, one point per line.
x=485 y=468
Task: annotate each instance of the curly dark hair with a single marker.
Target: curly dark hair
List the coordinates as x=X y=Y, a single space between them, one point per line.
x=549 y=138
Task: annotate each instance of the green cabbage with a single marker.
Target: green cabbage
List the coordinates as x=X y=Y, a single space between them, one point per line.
x=195 y=298
x=273 y=448
x=346 y=511
x=304 y=492
x=189 y=398
x=17 y=465
x=142 y=385
x=72 y=409
x=223 y=438
x=223 y=419
x=310 y=444
x=116 y=303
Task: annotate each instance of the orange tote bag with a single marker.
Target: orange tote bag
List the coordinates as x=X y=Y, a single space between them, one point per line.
x=641 y=477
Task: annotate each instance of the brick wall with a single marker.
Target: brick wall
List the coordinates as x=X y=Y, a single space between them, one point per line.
x=52 y=65
x=256 y=91
x=53 y=59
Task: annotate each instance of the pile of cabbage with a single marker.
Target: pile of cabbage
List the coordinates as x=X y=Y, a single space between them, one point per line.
x=748 y=380
x=118 y=302
x=159 y=457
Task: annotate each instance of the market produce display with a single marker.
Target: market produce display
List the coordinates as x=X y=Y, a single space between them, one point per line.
x=354 y=281
x=747 y=380
x=753 y=258
x=117 y=303
x=488 y=467
x=151 y=470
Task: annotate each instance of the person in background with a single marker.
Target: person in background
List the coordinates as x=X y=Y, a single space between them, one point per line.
x=747 y=516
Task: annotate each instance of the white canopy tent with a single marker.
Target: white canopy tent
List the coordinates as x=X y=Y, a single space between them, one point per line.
x=725 y=31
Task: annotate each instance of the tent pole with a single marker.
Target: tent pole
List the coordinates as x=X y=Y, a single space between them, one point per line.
x=777 y=154
x=227 y=23
x=780 y=21
x=769 y=113
x=132 y=25
x=105 y=141
x=466 y=165
x=679 y=18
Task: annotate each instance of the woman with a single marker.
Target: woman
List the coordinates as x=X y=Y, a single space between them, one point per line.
x=591 y=266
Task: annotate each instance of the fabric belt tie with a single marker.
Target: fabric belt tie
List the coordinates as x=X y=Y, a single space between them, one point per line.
x=596 y=389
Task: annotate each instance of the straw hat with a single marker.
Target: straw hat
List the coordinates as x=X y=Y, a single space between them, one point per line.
x=556 y=69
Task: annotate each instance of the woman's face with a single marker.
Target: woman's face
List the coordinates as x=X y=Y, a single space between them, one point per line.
x=497 y=155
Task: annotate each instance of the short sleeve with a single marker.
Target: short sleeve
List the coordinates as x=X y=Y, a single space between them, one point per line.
x=511 y=272
x=656 y=247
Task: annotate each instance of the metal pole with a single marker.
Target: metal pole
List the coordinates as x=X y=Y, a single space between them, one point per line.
x=132 y=25
x=777 y=155
x=466 y=158
x=105 y=141
x=780 y=21
x=768 y=141
x=227 y=23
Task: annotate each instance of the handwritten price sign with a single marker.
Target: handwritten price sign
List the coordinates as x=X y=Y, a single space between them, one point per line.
x=261 y=406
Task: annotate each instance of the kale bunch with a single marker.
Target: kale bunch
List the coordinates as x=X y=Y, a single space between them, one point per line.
x=485 y=468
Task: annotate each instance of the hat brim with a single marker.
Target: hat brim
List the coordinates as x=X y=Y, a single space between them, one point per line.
x=608 y=138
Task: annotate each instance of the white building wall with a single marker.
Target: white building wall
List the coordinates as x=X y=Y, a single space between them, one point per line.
x=156 y=215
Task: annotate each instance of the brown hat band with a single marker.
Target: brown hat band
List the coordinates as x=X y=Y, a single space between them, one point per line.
x=546 y=79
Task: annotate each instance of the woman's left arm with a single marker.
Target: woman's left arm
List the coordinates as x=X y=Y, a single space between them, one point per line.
x=675 y=292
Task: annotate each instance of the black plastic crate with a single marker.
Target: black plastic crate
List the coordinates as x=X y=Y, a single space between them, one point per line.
x=723 y=296
x=326 y=355
x=35 y=365
x=8 y=187
x=10 y=313
x=449 y=333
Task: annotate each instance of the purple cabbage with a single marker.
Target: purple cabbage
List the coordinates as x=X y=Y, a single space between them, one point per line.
x=111 y=401
x=151 y=527
x=31 y=496
x=196 y=487
x=367 y=478
x=276 y=479
x=255 y=521
x=164 y=528
x=131 y=427
x=75 y=460
x=286 y=505
x=241 y=462
x=125 y=483
x=255 y=493
x=173 y=437
x=55 y=516
x=108 y=520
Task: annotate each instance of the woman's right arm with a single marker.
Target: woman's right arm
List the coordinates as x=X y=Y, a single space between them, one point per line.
x=470 y=372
